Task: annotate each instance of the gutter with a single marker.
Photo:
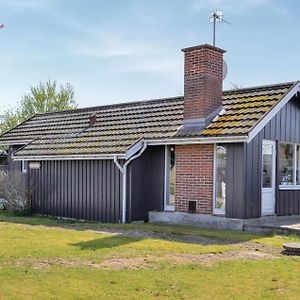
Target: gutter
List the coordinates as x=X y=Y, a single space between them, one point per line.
x=123 y=170
x=68 y=157
x=199 y=140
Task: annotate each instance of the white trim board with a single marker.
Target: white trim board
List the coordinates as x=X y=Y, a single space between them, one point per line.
x=79 y=157
x=198 y=140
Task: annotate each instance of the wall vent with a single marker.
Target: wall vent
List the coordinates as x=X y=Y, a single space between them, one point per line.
x=192 y=207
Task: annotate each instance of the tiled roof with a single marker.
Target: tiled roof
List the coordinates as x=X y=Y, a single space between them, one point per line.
x=243 y=108
x=118 y=127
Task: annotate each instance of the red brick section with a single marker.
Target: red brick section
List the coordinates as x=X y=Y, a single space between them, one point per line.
x=203 y=72
x=194 y=177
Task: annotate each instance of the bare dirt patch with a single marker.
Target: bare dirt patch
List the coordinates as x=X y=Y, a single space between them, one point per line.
x=150 y=262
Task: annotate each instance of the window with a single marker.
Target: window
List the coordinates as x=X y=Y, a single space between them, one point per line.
x=23 y=166
x=298 y=165
x=220 y=188
x=267 y=165
x=170 y=178
x=289 y=164
x=286 y=161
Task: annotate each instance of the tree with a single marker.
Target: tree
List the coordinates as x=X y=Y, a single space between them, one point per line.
x=46 y=97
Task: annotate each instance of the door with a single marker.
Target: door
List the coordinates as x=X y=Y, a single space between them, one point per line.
x=268 y=178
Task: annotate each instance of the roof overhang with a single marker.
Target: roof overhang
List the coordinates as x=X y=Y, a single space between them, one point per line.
x=198 y=140
x=70 y=157
x=134 y=148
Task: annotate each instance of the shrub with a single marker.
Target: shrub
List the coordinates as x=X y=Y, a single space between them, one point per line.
x=3 y=204
x=14 y=192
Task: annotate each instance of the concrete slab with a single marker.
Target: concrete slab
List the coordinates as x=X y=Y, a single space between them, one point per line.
x=274 y=224
x=268 y=224
x=205 y=221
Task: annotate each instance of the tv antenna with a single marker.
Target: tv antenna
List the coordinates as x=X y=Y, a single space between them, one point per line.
x=216 y=16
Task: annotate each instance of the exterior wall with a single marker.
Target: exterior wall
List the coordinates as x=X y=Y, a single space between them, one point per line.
x=283 y=127
x=86 y=189
x=194 y=177
x=146 y=184
x=92 y=189
x=235 y=206
x=13 y=165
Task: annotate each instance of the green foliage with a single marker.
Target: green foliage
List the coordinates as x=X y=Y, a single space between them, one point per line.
x=46 y=97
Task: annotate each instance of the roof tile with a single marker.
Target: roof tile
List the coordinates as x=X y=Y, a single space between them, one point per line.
x=119 y=126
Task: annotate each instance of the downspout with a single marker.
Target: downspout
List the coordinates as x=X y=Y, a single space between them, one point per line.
x=123 y=170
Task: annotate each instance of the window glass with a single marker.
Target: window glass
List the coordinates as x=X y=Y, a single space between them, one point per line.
x=267 y=165
x=172 y=176
x=171 y=198
x=221 y=177
x=298 y=164
x=286 y=161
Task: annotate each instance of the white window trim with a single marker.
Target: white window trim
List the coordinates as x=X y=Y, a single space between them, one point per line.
x=273 y=164
x=167 y=207
x=293 y=186
x=216 y=211
x=23 y=166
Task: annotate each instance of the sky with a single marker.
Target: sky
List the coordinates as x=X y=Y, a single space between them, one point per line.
x=114 y=51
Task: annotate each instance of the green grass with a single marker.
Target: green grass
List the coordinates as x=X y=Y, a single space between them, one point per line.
x=45 y=258
x=277 y=279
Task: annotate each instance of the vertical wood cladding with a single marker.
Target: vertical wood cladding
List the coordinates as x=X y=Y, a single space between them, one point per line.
x=284 y=127
x=194 y=177
x=87 y=189
x=146 y=184
x=235 y=181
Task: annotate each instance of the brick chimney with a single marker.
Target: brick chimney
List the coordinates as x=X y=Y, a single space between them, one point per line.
x=203 y=76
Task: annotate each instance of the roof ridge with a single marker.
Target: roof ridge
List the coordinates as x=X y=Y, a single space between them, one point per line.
x=112 y=105
x=258 y=87
x=82 y=109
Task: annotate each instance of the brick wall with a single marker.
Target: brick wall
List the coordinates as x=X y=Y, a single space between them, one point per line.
x=194 y=177
x=203 y=72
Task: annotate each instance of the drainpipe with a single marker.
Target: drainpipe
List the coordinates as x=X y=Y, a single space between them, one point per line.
x=123 y=170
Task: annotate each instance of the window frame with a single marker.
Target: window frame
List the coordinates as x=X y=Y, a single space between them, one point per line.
x=167 y=207
x=217 y=211
x=23 y=166
x=294 y=185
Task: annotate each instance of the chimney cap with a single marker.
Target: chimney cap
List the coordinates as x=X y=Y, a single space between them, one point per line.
x=203 y=46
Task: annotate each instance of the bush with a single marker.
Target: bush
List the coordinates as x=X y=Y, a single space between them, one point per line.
x=3 y=204
x=14 y=193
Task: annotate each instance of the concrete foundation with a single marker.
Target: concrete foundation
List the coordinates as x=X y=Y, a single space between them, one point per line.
x=265 y=225
x=205 y=221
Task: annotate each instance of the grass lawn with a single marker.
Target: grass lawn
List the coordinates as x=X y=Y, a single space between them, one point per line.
x=44 y=258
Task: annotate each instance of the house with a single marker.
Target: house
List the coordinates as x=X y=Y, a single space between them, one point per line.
x=210 y=155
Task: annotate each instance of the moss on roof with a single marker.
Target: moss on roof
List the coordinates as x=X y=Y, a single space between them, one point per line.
x=118 y=127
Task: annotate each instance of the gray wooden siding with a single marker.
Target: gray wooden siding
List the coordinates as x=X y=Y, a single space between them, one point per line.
x=235 y=178
x=146 y=184
x=285 y=127
x=86 y=189
x=13 y=165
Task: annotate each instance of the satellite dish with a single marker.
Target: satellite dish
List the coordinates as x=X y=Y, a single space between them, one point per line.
x=225 y=69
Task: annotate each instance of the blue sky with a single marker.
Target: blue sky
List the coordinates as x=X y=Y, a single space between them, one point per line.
x=124 y=50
